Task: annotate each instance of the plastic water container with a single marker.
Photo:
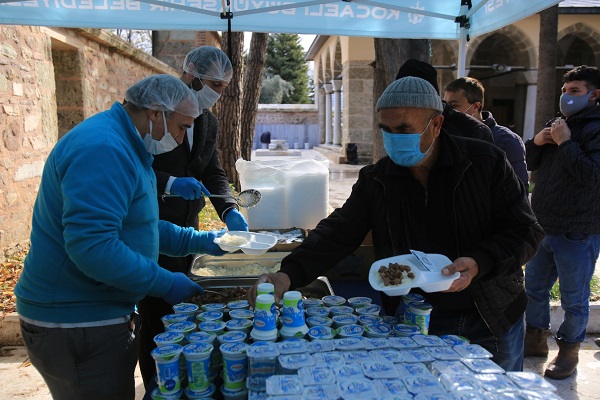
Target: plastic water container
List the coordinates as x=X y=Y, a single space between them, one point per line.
x=297 y=188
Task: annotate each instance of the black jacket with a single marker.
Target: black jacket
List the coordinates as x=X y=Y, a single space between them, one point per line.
x=567 y=181
x=460 y=124
x=492 y=223
x=202 y=163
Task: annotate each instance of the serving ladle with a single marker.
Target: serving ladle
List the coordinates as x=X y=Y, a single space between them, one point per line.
x=246 y=198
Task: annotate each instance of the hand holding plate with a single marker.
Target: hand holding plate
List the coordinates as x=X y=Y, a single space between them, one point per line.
x=468 y=269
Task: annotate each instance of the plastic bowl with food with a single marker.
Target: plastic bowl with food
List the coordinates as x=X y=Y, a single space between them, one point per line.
x=249 y=242
x=429 y=278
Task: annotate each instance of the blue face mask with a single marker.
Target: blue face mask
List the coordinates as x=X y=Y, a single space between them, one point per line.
x=570 y=105
x=404 y=148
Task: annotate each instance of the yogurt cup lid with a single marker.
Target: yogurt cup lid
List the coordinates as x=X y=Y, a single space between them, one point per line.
x=321 y=332
x=317 y=311
x=234 y=348
x=263 y=349
x=345 y=319
x=348 y=371
x=185 y=308
x=406 y=329
x=158 y=395
x=312 y=302
x=237 y=393
x=284 y=385
x=337 y=310
x=238 y=324
x=428 y=340
x=292 y=346
x=390 y=320
x=349 y=343
x=422 y=306
x=412 y=297
x=378 y=329
x=232 y=337
x=369 y=319
x=241 y=314
x=213 y=307
x=210 y=316
x=169 y=337
x=371 y=309
x=316 y=375
x=379 y=369
x=320 y=346
x=296 y=361
x=359 y=300
x=172 y=318
x=238 y=304
x=334 y=300
x=351 y=330
x=194 y=394
x=201 y=337
x=185 y=326
x=197 y=349
x=167 y=351
x=316 y=320
x=212 y=326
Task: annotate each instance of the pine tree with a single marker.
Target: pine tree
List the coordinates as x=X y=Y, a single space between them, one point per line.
x=285 y=57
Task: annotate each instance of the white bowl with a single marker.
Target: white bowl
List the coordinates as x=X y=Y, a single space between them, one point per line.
x=256 y=244
x=430 y=280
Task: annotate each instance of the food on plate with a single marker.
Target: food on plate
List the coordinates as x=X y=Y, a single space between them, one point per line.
x=253 y=269
x=227 y=295
x=395 y=274
x=233 y=240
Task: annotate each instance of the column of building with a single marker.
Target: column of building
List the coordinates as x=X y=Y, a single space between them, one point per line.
x=328 y=90
x=337 y=111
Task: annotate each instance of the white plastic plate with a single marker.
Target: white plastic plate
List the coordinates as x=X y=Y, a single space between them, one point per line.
x=429 y=278
x=257 y=243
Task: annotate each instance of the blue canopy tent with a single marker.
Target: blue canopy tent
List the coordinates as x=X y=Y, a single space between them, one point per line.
x=410 y=19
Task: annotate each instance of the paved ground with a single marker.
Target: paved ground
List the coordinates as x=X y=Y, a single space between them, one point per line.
x=21 y=381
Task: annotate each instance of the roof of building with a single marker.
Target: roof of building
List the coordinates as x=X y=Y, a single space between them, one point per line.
x=579 y=3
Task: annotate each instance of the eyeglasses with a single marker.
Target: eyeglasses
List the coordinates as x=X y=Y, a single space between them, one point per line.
x=197 y=84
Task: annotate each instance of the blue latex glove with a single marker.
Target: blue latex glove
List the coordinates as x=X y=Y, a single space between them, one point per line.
x=188 y=188
x=208 y=246
x=182 y=289
x=235 y=221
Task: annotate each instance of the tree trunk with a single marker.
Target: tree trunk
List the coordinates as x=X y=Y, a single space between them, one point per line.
x=255 y=66
x=229 y=108
x=390 y=54
x=546 y=90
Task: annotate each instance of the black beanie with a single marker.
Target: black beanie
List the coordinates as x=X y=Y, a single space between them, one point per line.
x=419 y=69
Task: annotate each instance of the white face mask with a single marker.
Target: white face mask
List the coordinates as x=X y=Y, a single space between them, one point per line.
x=164 y=145
x=207 y=97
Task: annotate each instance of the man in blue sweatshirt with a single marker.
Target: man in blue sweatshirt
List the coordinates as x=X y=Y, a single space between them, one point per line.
x=95 y=242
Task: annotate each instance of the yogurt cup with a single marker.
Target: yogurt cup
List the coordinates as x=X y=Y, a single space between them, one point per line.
x=235 y=361
x=339 y=310
x=172 y=318
x=241 y=314
x=284 y=385
x=321 y=332
x=216 y=327
x=185 y=327
x=238 y=305
x=165 y=338
x=232 y=337
x=262 y=363
x=158 y=395
x=344 y=319
x=359 y=301
x=167 y=368
x=411 y=297
x=234 y=395
x=421 y=313
x=265 y=288
x=209 y=316
x=377 y=330
x=292 y=346
x=390 y=320
x=202 y=337
x=240 y=325
x=313 y=303
x=320 y=346
x=289 y=364
x=294 y=324
x=265 y=319
x=189 y=309
x=318 y=321
x=406 y=330
x=197 y=357
x=369 y=309
x=369 y=319
x=206 y=394
x=317 y=311
x=213 y=307
x=352 y=330
x=329 y=301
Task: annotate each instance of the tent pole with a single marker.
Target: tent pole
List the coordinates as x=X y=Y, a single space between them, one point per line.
x=464 y=24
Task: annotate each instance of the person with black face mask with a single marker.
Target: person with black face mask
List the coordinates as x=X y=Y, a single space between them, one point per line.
x=442 y=194
x=566 y=158
x=190 y=171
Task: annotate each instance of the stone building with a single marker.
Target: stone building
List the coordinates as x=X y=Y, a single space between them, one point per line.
x=504 y=60
x=50 y=80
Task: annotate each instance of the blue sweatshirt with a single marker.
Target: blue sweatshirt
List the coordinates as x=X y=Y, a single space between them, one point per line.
x=95 y=232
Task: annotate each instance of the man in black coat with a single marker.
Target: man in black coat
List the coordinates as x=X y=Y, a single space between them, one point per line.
x=436 y=193
x=189 y=171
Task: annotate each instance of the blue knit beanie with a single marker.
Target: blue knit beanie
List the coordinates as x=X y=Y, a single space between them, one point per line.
x=410 y=92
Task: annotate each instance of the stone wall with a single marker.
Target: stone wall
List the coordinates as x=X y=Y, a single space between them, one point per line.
x=357 y=110
x=295 y=114
x=171 y=46
x=50 y=80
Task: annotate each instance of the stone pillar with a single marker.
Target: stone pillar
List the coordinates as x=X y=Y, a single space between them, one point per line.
x=530 y=105
x=328 y=90
x=337 y=111
x=321 y=114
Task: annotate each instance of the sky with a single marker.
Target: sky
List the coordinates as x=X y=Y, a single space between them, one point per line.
x=305 y=40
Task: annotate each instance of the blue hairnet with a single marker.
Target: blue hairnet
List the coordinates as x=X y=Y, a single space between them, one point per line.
x=209 y=63
x=164 y=93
